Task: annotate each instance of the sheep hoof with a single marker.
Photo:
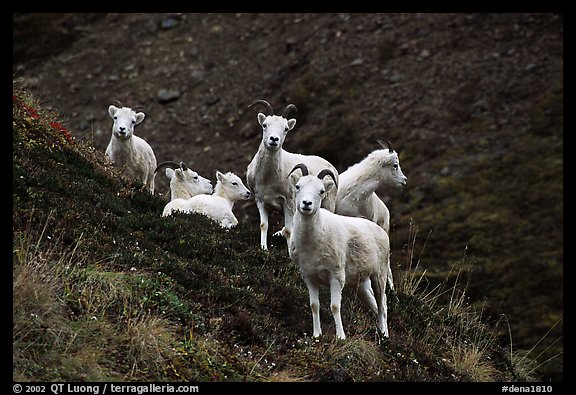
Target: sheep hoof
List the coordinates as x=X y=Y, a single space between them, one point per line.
x=282 y=233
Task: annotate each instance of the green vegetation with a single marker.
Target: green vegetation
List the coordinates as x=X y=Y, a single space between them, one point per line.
x=504 y=207
x=106 y=289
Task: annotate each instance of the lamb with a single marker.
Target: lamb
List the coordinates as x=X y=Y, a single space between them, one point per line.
x=129 y=150
x=356 y=194
x=336 y=250
x=217 y=206
x=267 y=172
x=184 y=182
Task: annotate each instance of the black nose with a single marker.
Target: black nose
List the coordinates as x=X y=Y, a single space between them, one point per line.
x=274 y=139
x=306 y=203
x=121 y=128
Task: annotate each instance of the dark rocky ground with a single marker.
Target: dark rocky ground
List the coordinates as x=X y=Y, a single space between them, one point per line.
x=472 y=102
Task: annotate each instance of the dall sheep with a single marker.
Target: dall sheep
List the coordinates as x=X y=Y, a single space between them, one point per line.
x=127 y=149
x=335 y=250
x=217 y=206
x=267 y=172
x=357 y=196
x=184 y=182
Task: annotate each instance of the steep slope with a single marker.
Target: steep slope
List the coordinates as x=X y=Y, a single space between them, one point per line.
x=106 y=289
x=472 y=102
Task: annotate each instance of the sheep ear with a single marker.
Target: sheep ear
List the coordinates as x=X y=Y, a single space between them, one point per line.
x=328 y=184
x=140 y=117
x=112 y=111
x=219 y=176
x=294 y=178
x=291 y=123
x=261 y=118
x=169 y=173
x=179 y=174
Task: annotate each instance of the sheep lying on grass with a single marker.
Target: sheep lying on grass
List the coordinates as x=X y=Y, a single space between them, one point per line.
x=336 y=250
x=129 y=150
x=267 y=172
x=217 y=206
x=184 y=182
x=357 y=196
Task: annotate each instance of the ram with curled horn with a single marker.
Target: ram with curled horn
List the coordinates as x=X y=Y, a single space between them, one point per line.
x=336 y=251
x=267 y=172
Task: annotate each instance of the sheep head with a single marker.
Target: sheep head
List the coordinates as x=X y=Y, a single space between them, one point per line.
x=181 y=176
x=124 y=121
x=231 y=185
x=310 y=189
x=274 y=127
x=386 y=165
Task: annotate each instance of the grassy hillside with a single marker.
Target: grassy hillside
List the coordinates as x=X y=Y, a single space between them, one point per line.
x=106 y=289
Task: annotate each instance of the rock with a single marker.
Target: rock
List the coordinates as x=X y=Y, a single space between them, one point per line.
x=167 y=95
x=357 y=62
x=395 y=78
x=168 y=23
x=424 y=54
x=212 y=100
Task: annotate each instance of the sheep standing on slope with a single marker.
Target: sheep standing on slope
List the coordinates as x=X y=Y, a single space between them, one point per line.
x=267 y=172
x=357 y=196
x=184 y=182
x=336 y=250
x=217 y=206
x=127 y=149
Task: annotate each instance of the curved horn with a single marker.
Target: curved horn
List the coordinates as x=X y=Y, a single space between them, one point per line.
x=300 y=166
x=387 y=146
x=183 y=165
x=289 y=107
x=327 y=172
x=170 y=164
x=265 y=104
x=117 y=103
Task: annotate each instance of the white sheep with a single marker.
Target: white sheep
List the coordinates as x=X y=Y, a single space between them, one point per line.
x=267 y=172
x=129 y=150
x=217 y=206
x=357 y=196
x=336 y=250
x=184 y=182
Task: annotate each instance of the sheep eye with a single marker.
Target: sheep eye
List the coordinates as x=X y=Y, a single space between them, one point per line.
x=286 y=129
x=196 y=178
x=395 y=166
x=133 y=122
x=322 y=192
x=115 y=117
x=234 y=183
x=264 y=125
x=297 y=187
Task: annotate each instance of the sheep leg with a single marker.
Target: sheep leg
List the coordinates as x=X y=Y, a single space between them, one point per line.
x=367 y=295
x=286 y=231
x=263 y=223
x=379 y=287
x=336 y=287
x=288 y=217
x=313 y=291
x=389 y=278
x=150 y=182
